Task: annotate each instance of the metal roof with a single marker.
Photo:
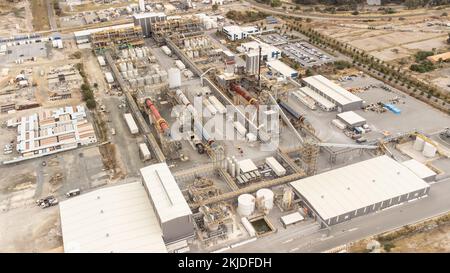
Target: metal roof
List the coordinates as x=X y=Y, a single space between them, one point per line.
x=282 y=68
x=167 y=198
x=247 y=165
x=87 y=32
x=351 y=117
x=356 y=186
x=318 y=98
x=112 y=219
x=332 y=90
x=421 y=170
x=148 y=15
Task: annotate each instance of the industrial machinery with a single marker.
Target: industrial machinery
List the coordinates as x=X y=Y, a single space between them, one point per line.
x=160 y=123
x=243 y=93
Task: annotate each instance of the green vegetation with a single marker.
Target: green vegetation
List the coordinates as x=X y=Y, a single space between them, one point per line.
x=215 y=7
x=355 y=12
x=86 y=91
x=340 y=65
x=245 y=17
x=422 y=55
x=422 y=67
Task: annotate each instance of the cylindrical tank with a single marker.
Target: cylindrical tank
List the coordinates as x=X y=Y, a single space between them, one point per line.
x=418 y=144
x=238 y=168
x=174 y=78
x=123 y=67
x=124 y=74
x=230 y=165
x=125 y=54
x=141 y=82
x=233 y=170
x=429 y=150
x=265 y=197
x=130 y=66
x=246 y=204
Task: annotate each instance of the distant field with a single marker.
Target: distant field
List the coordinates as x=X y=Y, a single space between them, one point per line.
x=40 y=16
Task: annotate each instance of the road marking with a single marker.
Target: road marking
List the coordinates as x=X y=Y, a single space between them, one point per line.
x=326 y=238
x=288 y=241
x=353 y=229
x=294 y=249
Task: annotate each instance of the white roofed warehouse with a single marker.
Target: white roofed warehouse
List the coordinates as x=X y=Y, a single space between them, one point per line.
x=171 y=209
x=344 y=100
x=359 y=189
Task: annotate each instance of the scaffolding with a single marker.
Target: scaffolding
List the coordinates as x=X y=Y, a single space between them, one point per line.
x=175 y=28
x=124 y=37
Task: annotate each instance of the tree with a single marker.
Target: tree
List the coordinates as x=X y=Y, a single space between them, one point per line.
x=90 y=103
x=215 y=7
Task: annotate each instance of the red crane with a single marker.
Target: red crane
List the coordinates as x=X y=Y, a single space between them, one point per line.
x=162 y=124
x=241 y=91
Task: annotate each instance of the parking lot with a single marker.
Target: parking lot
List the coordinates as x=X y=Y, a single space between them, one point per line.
x=273 y=39
x=305 y=54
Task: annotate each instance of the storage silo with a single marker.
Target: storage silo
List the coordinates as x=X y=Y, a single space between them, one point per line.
x=265 y=199
x=130 y=66
x=418 y=144
x=429 y=150
x=123 y=67
x=246 y=204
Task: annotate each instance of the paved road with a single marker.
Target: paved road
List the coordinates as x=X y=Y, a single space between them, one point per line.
x=436 y=203
x=51 y=15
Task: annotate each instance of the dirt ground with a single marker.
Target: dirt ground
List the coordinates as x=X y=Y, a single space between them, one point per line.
x=432 y=236
x=40 y=16
x=15 y=18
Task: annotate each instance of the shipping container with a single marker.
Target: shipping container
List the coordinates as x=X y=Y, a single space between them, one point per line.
x=275 y=166
x=144 y=152
x=131 y=123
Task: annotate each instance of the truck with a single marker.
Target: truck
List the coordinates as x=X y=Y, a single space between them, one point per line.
x=144 y=152
x=131 y=123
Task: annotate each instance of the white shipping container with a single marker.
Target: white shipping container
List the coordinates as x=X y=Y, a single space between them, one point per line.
x=275 y=166
x=217 y=104
x=131 y=123
x=109 y=77
x=180 y=64
x=166 y=50
x=240 y=128
x=101 y=60
x=145 y=152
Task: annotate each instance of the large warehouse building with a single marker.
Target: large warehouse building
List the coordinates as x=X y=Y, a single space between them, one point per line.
x=335 y=94
x=112 y=219
x=359 y=189
x=171 y=209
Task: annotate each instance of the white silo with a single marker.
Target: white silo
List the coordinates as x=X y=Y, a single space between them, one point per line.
x=174 y=77
x=125 y=54
x=130 y=66
x=429 y=150
x=148 y=80
x=123 y=67
x=418 y=144
x=233 y=170
x=265 y=199
x=163 y=75
x=130 y=74
x=246 y=204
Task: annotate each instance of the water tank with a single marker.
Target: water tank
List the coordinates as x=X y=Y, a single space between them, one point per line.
x=163 y=75
x=418 y=144
x=174 y=77
x=265 y=198
x=233 y=170
x=429 y=150
x=123 y=67
x=125 y=54
x=246 y=204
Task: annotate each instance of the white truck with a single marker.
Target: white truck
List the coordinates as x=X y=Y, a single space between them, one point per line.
x=144 y=152
x=166 y=50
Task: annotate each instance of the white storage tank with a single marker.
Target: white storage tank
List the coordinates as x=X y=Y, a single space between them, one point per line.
x=418 y=144
x=246 y=204
x=130 y=66
x=148 y=80
x=123 y=67
x=124 y=75
x=141 y=82
x=265 y=199
x=130 y=74
x=429 y=150
x=174 y=77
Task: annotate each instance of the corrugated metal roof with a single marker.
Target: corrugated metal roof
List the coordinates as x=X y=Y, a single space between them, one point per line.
x=164 y=191
x=318 y=98
x=357 y=186
x=282 y=68
x=247 y=165
x=113 y=219
x=351 y=117
x=332 y=90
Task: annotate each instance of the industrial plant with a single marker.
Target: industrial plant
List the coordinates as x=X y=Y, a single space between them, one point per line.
x=181 y=127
